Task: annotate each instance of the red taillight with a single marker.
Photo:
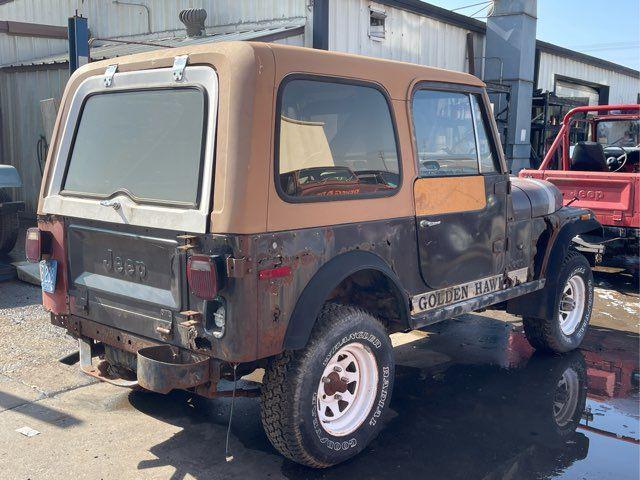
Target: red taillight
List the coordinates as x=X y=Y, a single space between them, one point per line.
x=202 y=275
x=36 y=244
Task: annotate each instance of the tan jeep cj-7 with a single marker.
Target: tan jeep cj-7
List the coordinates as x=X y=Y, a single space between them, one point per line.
x=214 y=209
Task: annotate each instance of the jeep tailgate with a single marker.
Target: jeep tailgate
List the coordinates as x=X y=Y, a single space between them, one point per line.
x=124 y=276
x=611 y=196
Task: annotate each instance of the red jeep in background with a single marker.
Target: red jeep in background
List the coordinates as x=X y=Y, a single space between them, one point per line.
x=602 y=174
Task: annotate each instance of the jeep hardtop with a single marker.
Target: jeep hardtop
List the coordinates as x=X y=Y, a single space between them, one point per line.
x=210 y=210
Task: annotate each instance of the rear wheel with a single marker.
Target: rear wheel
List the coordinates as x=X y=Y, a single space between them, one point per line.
x=323 y=404
x=573 y=301
x=8 y=227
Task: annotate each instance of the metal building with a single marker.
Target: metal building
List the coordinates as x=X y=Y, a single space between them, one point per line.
x=34 y=63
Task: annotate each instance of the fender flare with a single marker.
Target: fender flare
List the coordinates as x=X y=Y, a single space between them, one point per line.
x=563 y=242
x=329 y=276
x=540 y=304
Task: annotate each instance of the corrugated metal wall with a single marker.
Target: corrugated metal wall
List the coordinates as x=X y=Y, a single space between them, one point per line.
x=623 y=88
x=109 y=19
x=296 y=41
x=21 y=127
x=21 y=91
x=409 y=37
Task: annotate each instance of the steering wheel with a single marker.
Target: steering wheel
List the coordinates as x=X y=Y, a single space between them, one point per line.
x=620 y=160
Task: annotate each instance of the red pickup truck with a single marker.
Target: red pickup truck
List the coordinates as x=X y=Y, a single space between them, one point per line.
x=602 y=174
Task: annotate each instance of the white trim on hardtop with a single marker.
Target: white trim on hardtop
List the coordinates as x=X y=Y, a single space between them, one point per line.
x=145 y=215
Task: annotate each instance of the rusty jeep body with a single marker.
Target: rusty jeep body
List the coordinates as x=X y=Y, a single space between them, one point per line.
x=210 y=210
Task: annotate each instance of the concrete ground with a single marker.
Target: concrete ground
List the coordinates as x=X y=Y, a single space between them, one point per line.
x=471 y=400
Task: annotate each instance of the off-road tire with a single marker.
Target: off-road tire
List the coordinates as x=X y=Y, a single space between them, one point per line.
x=545 y=334
x=289 y=409
x=8 y=227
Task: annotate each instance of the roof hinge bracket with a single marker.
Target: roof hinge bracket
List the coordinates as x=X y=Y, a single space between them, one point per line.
x=108 y=75
x=179 y=63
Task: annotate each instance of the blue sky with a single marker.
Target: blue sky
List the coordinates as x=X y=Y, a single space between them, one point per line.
x=607 y=29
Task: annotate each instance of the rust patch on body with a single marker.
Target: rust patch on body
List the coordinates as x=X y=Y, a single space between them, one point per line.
x=438 y=195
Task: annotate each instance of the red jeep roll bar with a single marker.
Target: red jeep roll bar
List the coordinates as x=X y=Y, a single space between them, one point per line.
x=563 y=134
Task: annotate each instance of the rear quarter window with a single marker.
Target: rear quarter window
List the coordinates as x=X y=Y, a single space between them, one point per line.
x=335 y=141
x=146 y=144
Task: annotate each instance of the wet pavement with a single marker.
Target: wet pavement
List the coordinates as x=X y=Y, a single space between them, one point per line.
x=472 y=400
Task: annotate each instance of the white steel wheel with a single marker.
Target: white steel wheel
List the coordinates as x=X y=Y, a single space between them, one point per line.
x=565 y=399
x=347 y=389
x=571 y=306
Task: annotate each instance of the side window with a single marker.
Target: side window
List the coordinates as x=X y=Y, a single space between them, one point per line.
x=445 y=136
x=335 y=140
x=488 y=160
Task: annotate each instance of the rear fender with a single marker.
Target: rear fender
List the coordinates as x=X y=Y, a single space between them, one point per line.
x=327 y=278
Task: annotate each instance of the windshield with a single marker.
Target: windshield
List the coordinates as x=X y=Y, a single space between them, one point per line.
x=146 y=144
x=620 y=133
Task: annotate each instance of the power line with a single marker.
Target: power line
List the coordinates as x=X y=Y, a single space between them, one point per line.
x=486 y=6
x=472 y=5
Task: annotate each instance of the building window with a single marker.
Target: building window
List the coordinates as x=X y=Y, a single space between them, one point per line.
x=336 y=140
x=377 y=20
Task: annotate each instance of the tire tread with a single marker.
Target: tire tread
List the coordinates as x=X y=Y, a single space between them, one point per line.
x=539 y=332
x=279 y=394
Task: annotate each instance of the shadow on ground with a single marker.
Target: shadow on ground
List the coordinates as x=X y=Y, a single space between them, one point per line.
x=487 y=407
x=37 y=411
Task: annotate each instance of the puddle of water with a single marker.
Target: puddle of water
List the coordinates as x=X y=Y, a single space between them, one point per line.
x=473 y=400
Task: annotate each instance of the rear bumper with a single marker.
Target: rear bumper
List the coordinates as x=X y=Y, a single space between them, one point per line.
x=197 y=372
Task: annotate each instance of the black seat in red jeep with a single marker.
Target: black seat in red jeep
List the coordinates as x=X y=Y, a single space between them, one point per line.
x=588 y=157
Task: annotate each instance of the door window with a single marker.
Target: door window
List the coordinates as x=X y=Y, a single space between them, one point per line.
x=488 y=161
x=451 y=136
x=336 y=140
x=445 y=137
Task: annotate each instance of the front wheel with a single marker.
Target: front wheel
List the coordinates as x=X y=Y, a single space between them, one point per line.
x=324 y=403
x=573 y=301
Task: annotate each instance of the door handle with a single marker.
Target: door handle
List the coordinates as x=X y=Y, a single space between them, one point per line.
x=427 y=223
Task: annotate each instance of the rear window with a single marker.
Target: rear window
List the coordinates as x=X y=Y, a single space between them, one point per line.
x=146 y=144
x=336 y=140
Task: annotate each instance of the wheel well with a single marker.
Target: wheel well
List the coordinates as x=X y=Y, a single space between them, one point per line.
x=374 y=292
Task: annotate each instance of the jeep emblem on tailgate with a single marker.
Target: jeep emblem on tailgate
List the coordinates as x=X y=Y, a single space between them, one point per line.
x=131 y=268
